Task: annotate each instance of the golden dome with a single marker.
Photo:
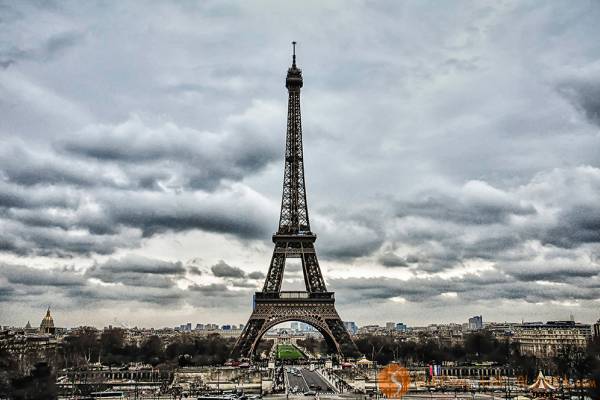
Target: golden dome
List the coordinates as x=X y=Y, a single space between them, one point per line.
x=47 y=323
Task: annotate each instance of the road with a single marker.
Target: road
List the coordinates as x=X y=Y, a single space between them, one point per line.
x=316 y=382
x=295 y=380
x=301 y=380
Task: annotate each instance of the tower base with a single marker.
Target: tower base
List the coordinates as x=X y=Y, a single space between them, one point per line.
x=315 y=309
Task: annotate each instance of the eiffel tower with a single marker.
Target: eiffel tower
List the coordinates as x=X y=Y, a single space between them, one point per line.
x=294 y=239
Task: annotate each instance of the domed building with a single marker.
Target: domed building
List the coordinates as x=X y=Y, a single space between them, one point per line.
x=47 y=325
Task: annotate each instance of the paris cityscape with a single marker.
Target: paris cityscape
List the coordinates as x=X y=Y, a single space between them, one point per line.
x=225 y=200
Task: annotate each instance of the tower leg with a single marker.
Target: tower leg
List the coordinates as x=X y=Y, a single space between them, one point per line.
x=244 y=347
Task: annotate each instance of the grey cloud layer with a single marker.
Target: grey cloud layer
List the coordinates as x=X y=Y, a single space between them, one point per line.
x=437 y=139
x=222 y=269
x=468 y=288
x=137 y=271
x=553 y=215
x=173 y=156
x=52 y=206
x=131 y=278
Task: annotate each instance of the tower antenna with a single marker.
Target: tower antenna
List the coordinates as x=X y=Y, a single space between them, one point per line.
x=294 y=54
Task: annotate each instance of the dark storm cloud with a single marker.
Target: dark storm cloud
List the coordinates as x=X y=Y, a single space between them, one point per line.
x=114 y=216
x=585 y=95
x=243 y=283
x=61 y=42
x=217 y=295
x=23 y=275
x=24 y=167
x=6 y=63
x=155 y=213
x=532 y=293
x=6 y=293
x=587 y=282
x=555 y=209
x=195 y=159
x=390 y=259
x=129 y=279
x=157 y=288
x=383 y=288
x=9 y=245
x=470 y=287
x=50 y=48
x=345 y=236
x=342 y=250
x=55 y=242
x=493 y=247
x=256 y=275
x=156 y=296
x=141 y=265
x=211 y=289
x=443 y=252
x=479 y=204
x=43 y=218
x=134 y=155
x=558 y=269
x=151 y=191
x=195 y=270
x=576 y=226
x=224 y=270
x=138 y=271
x=15 y=196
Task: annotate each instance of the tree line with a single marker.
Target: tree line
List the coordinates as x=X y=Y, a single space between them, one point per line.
x=110 y=348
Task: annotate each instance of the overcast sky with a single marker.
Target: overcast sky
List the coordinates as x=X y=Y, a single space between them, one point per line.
x=452 y=156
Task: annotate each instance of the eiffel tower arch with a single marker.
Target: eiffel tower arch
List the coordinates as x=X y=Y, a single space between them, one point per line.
x=294 y=239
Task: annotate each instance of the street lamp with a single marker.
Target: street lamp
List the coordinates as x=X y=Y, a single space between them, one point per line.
x=376 y=378
x=261 y=379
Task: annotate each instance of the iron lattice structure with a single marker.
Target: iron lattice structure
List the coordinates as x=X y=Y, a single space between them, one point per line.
x=294 y=239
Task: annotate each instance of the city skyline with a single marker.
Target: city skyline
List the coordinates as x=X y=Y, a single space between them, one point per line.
x=451 y=167
x=230 y=324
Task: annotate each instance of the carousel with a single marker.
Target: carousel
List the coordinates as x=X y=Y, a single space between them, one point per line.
x=541 y=388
